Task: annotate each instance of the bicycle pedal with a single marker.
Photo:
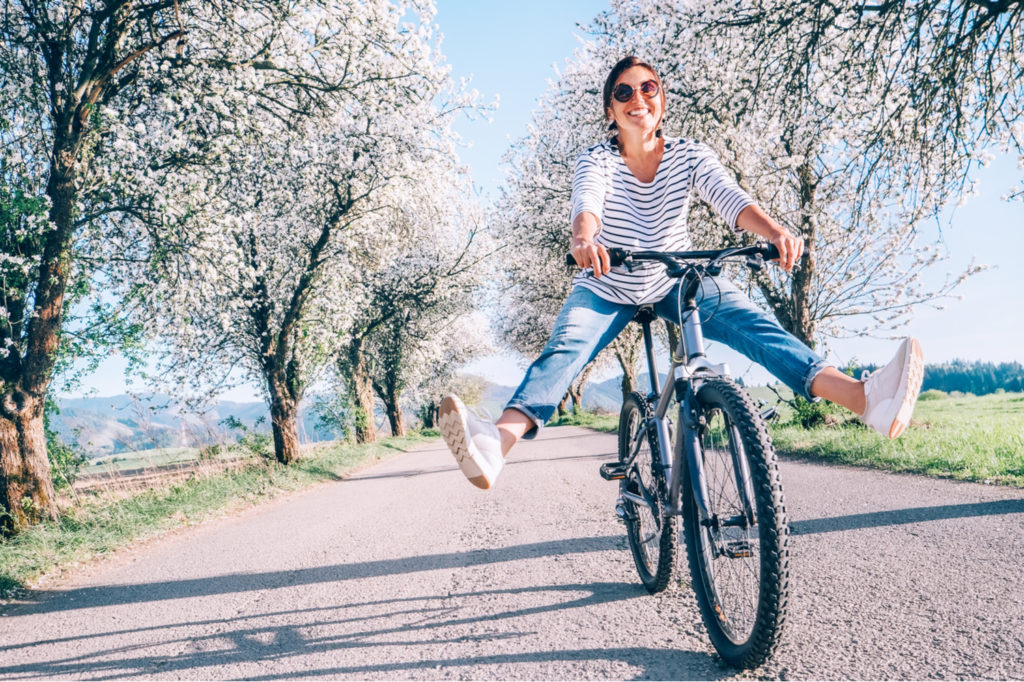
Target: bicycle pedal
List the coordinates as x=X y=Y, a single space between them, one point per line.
x=613 y=471
x=739 y=549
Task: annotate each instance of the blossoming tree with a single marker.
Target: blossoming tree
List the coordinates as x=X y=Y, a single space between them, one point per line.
x=306 y=195
x=59 y=63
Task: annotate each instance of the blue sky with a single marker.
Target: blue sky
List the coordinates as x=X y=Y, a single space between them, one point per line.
x=511 y=48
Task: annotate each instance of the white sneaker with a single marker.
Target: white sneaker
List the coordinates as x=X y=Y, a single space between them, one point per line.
x=891 y=392
x=475 y=442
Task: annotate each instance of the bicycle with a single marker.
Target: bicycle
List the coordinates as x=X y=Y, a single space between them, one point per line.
x=715 y=467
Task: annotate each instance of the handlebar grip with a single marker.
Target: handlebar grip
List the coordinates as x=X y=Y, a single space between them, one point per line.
x=770 y=252
x=615 y=254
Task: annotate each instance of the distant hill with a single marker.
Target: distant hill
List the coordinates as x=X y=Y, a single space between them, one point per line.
x=109 y=425
x=605 y=396
x=103 y=426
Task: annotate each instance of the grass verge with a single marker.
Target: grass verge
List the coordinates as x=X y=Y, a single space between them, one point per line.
x=590 y=420
x=963 y=437
x=98 y=526
x=970 y=438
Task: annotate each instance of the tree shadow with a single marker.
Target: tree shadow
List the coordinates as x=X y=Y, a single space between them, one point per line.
x=419 y=621
x=44 y=601
x=898 y=517
x=513 y=462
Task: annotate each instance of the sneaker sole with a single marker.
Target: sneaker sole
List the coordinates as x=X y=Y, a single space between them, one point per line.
x=915 y=375
x=452 y=421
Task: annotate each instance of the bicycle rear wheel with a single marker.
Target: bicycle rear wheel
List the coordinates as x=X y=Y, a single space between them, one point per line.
x=738 y=559
x=653 y=536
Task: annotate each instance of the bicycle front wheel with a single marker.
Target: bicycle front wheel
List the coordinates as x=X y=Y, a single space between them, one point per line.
x=738 y=557
x=653 y=536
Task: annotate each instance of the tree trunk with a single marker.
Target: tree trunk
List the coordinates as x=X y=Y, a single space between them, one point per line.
x=390 y=394
x=26 y=489
x=392 y=403
x=627 y=351
x=361 y=388
x=284 y=423
x=24 y=466
x=395 y=419
x=804 y=325
x=576 y=387
x=428 y=414
x=562 y=403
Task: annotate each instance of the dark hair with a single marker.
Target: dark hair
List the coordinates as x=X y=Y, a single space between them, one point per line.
x=609 y=85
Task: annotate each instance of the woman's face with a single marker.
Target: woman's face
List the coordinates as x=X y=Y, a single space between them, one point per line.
x=639 y=113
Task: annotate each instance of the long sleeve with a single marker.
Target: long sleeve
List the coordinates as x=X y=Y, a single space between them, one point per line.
x=589 y=184
x=717 y=187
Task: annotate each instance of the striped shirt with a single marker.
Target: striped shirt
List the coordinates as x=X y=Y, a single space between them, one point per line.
x=648 y=216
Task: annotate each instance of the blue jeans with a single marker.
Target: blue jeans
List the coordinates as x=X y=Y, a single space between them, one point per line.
x=588 y=323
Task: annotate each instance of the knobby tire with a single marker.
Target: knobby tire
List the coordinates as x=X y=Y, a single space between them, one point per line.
x=742 y=587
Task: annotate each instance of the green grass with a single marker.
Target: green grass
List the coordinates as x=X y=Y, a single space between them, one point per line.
x=961 y=437
x=97 y=526
x=590 y=420
x=966 y=438
x=139 y=459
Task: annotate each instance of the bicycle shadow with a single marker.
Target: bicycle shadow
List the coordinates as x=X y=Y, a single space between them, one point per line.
x=898 y=517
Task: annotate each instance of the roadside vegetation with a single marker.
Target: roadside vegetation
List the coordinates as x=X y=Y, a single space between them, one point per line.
x=110 y=518
x=952 y=435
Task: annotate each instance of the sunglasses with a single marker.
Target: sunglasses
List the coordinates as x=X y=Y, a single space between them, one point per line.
x=623 y=92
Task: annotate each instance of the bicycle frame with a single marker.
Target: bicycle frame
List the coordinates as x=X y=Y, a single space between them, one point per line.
x=689 y=366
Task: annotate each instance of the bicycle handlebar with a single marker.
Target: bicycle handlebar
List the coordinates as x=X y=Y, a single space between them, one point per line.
x=619 y=256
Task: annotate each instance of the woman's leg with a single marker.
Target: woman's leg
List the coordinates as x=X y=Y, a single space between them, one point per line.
x=839 y=388
x=586 y=324
x=728 y=316
x=513 y=425
x=885 y=401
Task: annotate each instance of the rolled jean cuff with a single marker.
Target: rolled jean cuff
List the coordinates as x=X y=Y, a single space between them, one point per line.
x=816 y=369
x=532 y=416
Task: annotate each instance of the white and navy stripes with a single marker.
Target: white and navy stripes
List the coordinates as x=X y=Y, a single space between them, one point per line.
x=649 y=215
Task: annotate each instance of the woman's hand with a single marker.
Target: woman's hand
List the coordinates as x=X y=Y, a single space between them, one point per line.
x=790 y=249
x=589 y=254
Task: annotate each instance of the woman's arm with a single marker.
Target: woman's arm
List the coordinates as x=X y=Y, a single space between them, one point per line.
x=588 y=192
x=791 y=247
x=584 y=249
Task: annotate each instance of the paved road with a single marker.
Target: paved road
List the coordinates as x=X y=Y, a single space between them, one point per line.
x=405 y=571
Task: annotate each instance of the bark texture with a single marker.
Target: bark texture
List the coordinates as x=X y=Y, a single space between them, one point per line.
x=27 y=490
x=284 y=425
x=361 y=386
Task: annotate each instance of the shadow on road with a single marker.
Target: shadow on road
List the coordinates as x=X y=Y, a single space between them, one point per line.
x=425 y=471
x=89 y=597
x=428 y=621
x=897 y=517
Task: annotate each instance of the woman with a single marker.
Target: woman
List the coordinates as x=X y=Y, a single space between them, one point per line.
x=633 y=191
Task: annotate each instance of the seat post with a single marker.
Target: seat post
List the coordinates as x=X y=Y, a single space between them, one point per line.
x=645 y=316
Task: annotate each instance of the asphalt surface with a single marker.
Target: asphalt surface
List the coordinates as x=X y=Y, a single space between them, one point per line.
x=405 y=571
